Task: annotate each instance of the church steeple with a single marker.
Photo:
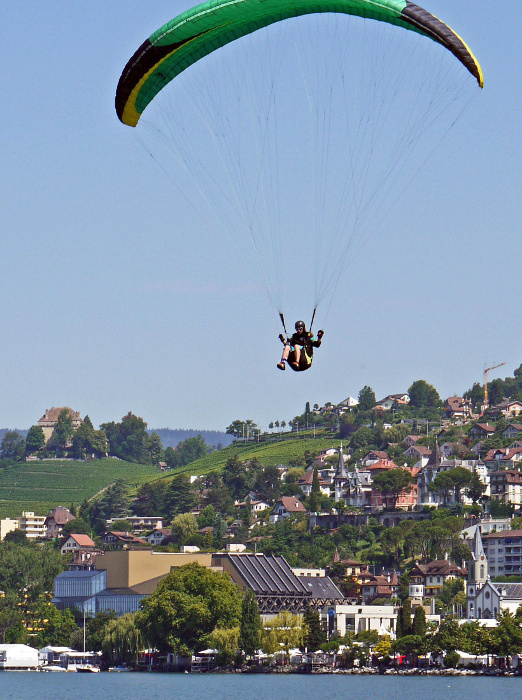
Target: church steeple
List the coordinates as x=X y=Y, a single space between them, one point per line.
x=435 y=457
x=478 y=572
x=341 y=469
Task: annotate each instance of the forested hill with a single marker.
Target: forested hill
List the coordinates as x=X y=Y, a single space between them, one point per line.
x=171 y=438
x=21 y=431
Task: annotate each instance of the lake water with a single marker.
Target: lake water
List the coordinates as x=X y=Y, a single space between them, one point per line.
x=173 y=686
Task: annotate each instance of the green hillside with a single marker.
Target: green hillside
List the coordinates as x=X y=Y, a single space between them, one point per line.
x=39 y=486
x=277 y=452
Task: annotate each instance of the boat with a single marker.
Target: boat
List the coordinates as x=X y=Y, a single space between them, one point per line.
x=87 y=668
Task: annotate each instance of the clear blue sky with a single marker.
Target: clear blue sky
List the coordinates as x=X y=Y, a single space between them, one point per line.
x=107 y=306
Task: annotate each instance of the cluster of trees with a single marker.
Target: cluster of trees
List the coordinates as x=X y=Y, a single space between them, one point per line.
x=458 y=480
x=27 y=571
x=128 y=440
x=450 y=636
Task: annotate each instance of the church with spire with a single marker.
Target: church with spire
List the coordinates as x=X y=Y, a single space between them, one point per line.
x=486 y=599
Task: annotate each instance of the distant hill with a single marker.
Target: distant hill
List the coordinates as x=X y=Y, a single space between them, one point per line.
x=171 y=438
x=20 y=431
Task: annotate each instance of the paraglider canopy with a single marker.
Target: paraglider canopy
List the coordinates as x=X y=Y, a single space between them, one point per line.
x=301 y=133
x=207 y=27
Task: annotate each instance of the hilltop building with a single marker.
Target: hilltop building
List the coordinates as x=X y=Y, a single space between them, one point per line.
x=50 y=418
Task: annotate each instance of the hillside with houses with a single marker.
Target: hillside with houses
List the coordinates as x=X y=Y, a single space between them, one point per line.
x=393 y=524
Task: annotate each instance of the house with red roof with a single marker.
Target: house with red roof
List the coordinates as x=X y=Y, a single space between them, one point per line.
x=285 y=507
x=76 y=542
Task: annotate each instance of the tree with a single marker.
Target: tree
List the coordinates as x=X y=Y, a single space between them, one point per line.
x=10 y=615
x=64 y=429
x=235 y=477
x=35 y=440
x=12 y=446
x=393 y=482
x=156 y=449
x=96 y=629
x=383 y=647
x=87 y=441
x=419 y=622
x=475 y=395
x=448 y=636
x=186 y=452
x=245 y=429
x=423 y=395
x=366 y=399
x=268 y=483
x=315 y=494
x=314 y=635
x=405 y=612
x=207 y=517
x=226 y=642
x=443 y=485
x=282 y=633
x=151 y=499
x=362 y=438
x=180 y=496
x=392 y=540
x=476 y=638
x=27 y=572
x=123 y=640
x=17 y=537
x=475 y=489
x=53 y=627
x=128 y=439
x=113 y=503
x=82 y=440
x=507 y=635
x=78 y=526
x=188 y=604
x=461 y=478
x=183 y=526
x=404 y=588
x=250 y=624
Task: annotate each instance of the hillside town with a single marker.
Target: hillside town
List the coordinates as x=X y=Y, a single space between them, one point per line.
x=398 y=548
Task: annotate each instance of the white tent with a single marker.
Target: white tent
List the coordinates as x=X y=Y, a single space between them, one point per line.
x=18 y=656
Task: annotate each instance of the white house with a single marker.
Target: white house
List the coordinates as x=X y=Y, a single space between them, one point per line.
x=157 y=537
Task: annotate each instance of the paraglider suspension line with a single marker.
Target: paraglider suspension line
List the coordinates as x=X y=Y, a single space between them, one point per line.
x=313 y=318
x=281 y=316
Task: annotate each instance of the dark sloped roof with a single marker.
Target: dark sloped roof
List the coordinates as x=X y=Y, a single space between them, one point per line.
x=267 y=575
x=321 y=587
x=513 y=590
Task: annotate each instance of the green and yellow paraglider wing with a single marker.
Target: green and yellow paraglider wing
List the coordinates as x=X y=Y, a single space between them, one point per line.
x=206 y=27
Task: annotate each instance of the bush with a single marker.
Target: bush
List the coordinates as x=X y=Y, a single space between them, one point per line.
x=451 y=660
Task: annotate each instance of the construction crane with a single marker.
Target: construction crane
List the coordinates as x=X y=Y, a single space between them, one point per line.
x=486 y=372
